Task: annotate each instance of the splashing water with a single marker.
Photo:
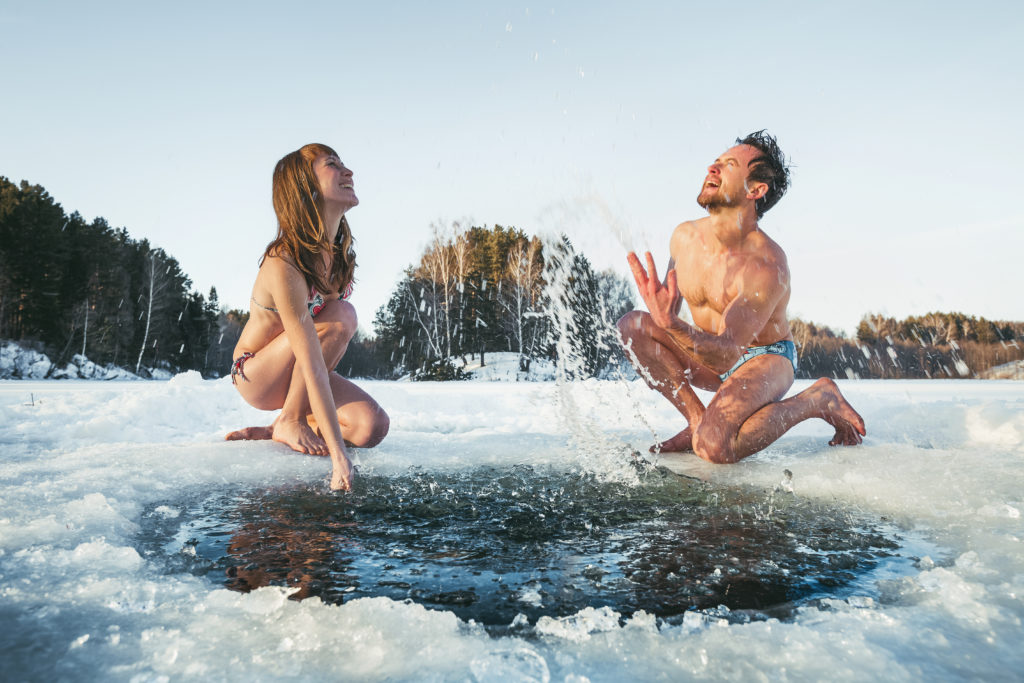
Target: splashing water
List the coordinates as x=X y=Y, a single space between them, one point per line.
x=598 y=451
x=588 y=210
x=589 y=438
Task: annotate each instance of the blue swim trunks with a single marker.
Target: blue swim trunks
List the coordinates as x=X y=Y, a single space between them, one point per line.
x=780 y=348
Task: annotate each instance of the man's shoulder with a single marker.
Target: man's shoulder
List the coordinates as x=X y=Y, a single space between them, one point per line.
x=689 y=229
x=766 y=260
x=696 y=225
x=768 y=248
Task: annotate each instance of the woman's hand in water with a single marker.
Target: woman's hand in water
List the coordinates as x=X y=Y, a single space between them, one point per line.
x=341 y=477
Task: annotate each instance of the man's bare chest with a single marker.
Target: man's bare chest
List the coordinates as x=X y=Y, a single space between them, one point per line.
x=708 y=283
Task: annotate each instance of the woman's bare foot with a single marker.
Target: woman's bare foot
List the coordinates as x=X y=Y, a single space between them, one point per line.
x=849 y=425
x=681 y=442
x=251 y=434
x=298 y=436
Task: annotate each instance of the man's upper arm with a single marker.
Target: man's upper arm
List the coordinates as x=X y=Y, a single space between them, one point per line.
x=671 y=268
x=675 y=246
x=761 y=288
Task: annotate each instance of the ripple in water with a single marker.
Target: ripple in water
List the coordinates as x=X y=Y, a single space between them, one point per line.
x=490 y=544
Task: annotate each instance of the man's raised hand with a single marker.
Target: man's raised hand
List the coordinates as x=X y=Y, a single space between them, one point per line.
x=662 y=299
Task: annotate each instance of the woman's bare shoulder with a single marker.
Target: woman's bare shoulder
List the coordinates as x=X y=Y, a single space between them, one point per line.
x=277 y=280
x=280 y=269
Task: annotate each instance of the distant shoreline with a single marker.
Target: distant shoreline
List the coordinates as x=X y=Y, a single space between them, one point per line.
x=18 y=363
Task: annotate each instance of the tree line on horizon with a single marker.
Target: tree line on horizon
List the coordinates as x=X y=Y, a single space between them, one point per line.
x=935 y=345
x=70 y=286
x=476 y=291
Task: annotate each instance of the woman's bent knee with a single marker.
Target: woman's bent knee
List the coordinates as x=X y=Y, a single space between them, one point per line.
x=339 y=320
x=371 y=429
x=334 y=333
x=349 y=317
x=337 y=332
x=381 y=427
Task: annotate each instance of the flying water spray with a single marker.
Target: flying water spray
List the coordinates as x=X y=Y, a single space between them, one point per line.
x=582 y=329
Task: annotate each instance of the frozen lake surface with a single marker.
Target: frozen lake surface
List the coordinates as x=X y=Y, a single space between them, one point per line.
x=506 y=531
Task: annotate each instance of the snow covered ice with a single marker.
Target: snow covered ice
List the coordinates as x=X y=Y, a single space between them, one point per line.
x=88 y=471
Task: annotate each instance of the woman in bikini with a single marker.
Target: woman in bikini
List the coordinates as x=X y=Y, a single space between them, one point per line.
x=300 y=322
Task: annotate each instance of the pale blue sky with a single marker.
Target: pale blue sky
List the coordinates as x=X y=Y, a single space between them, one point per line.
x=901 y=119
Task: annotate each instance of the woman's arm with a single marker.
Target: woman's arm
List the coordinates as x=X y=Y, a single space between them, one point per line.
x=289 y=290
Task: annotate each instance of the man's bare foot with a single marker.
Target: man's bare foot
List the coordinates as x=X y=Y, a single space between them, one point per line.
x=251 y=434
x=849 y=425
x=297 y=435
x=681 y=442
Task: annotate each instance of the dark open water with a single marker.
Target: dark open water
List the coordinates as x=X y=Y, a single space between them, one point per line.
x=489 y=544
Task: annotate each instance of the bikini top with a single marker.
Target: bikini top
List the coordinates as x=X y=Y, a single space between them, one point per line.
x=315 y=302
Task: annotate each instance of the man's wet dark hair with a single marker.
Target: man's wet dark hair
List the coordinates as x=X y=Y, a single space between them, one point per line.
x=769 y=168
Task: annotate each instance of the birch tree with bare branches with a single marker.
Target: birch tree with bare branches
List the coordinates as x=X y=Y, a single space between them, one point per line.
x=155 y=285
x=519 y=295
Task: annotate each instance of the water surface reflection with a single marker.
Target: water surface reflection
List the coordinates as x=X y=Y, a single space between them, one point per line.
x=490 y=544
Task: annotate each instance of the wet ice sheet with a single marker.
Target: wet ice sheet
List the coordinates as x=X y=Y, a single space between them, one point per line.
x=84 y=463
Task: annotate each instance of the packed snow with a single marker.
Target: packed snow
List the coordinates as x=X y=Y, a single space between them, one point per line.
x=83 y=462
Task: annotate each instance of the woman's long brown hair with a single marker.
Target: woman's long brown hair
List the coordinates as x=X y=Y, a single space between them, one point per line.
x=301 y=233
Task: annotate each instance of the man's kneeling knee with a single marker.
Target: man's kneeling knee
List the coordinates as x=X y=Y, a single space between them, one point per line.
x=631 y=323
x=713 y=445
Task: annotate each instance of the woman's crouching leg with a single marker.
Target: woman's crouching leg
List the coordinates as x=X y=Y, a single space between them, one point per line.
x=367 y=427
x=364 y=423
x=335 y=326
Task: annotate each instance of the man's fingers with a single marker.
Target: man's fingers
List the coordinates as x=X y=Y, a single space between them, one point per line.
x=670 y=282
x=653 y=270
x=638 y=270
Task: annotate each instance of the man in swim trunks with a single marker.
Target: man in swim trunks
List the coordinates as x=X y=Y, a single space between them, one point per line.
x=735 y=280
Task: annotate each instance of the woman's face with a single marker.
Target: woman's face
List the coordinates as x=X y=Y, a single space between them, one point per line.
x=335 y=182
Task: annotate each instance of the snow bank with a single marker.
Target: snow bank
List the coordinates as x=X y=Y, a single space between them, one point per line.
x=503 y=366
x=1011 y=370
x=17 y=362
